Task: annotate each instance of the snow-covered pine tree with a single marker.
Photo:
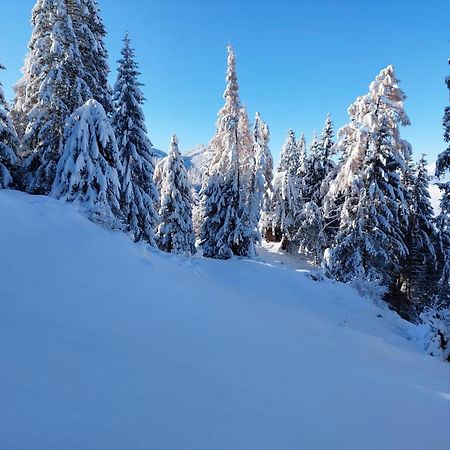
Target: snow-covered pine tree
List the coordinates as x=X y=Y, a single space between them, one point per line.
x=257 y=189
x=437 y=340
x=54 y=89
x=421 y=264
x=17 y=113
x=251 y=188
x=175 y=231
x=291 y=155
x=442 y=246
x=139 y=195
x=264 y=161
x=302 y=156
x=35 y=65
x=317 y=229
x=246 y=141
x=314 y=174
x=90 y=33
x=198 y=175
x=87 y=172
x=347 y=140
x=327 y=145
x=9 y=145
x=224 y=233
x=443 y=220
x=370 y=248
x=301 y=160
x=329 y=149
x=438 y=316
x=310 y=235
x=286 y=191
x=443 y=161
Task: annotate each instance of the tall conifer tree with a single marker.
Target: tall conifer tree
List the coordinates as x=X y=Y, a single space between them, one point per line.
x=370 y=247
x=438 y=316
x=90 y=32
x=139 y=195
x=264 y=161
x=175 y=231
x=286 y=194
x=310 y=236
x=443 y=220
x=9 y=146
x=225 y=230
x=421 y=264
x=54 y=87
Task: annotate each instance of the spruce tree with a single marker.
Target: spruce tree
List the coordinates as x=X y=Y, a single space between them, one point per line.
x=421 y=264
x=302 y=157
x=314 y=174
x=310 y=235
x=264 y=161
x=225 y=230
x=437 y=311
x=246 y=143
x=443 y=220
x=286 y=191
x=329 y=149
x=438 y=316
x=291 y=155
x=9 y=146
x=370 y=247
x=90 y=33
x=175 y=231
x=443 y=161
x=89 y=169
x=251 y=188
x=54 y=89
x=442 y=246
x=139 y=195
x=301 y=173
x=17 y=113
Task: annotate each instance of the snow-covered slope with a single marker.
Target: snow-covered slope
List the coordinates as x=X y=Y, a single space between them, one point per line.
x=194 y=157
x=105 y=345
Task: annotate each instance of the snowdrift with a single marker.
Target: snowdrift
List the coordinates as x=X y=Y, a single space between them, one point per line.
x=107 y=345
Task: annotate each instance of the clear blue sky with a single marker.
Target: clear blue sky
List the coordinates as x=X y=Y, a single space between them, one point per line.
x=297 y=60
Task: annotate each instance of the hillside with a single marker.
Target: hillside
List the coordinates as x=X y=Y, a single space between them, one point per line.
x=107 y=345
x=194 y=161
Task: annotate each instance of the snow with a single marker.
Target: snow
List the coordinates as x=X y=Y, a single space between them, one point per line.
x=194 y=160
x=271 y=253
x=109 y=345
x=435 y=194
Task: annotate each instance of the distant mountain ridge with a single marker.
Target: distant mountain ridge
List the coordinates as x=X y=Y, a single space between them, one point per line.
x=195 y=161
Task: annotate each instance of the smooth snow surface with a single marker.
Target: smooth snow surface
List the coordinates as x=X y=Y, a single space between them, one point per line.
x=105 y=345
x=270 y=252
